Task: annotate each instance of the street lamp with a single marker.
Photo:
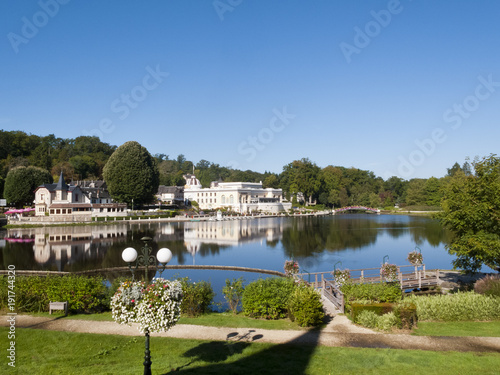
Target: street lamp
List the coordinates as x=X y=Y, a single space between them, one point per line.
x=146 y=259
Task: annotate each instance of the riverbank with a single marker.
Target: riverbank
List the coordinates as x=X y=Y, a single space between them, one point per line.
x=28 y=222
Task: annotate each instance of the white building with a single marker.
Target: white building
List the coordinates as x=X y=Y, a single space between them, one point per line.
x=242 y=197
x=62 y=199
x=170 y=194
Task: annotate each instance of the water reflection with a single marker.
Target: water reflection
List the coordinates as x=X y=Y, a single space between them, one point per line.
x=261 y=243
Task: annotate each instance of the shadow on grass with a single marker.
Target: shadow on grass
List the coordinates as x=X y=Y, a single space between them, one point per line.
x=289 y=358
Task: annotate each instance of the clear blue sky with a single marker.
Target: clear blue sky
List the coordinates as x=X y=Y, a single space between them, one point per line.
x=401 y=88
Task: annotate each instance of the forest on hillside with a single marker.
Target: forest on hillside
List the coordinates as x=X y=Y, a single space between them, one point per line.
x=84 y=158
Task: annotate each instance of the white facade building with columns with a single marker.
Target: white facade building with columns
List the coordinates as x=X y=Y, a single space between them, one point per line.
x=242 y=197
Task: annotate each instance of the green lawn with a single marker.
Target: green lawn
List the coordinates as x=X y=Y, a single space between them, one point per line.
x=50 y=352
x=485 y=329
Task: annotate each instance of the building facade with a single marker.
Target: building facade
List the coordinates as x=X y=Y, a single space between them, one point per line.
x=78 y=201
x=242 y=197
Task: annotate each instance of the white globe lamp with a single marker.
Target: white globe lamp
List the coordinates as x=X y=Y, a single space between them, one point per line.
x=164 y=255
x=129 y=255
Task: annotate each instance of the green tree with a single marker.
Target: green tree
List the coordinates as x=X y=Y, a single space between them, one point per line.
x=21 y=183
x=471 y=210
x=432 y=191
x=415 y=195
x=131 y=174
x=271 y=181
x=302 y=176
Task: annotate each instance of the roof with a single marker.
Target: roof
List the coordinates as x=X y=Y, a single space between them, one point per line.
x=61 y=185
x=162 y=189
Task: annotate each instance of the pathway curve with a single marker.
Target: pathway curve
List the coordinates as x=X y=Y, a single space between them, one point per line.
x=340 y=332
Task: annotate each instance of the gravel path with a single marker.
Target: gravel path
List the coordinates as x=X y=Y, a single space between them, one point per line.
x=340 y=332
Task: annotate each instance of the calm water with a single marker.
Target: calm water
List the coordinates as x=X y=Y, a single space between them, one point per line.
x=317 y=243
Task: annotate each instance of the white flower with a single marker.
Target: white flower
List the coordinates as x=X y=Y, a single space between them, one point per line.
x=157 y=309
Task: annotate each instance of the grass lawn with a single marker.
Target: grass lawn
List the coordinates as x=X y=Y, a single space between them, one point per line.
x=485 y=329
x=51 y=352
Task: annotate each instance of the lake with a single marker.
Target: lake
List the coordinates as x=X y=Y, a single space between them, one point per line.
x=318 y=243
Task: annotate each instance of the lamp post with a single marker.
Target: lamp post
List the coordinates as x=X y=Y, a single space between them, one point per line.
x=146 y=259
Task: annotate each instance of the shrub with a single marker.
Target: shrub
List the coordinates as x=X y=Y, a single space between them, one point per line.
x=489 y=285
x=388 y=321
x=197 y=297
x=460 y=306
x=407 y=314
x=305 y=307
x=367 y=318
x=378 y=292
x=377 y=308
x=233 y=293
x=84 y=294
x=267 y=298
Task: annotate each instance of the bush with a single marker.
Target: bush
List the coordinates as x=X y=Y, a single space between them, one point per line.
x=267 y=298
x=461 y=306
x=407 y=314
x=489 y=285
x=233 y=293
x=84 y=294
x=305 y=307
x=367 y=318
x=377 y=308
x=197 y=297
x=378 y=292
x=388 y=321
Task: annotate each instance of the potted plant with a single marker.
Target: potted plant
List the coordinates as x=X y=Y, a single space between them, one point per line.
x=342 y=276
x=389 y=272
x=291 y=268
x=156 y=307
x=415 y=258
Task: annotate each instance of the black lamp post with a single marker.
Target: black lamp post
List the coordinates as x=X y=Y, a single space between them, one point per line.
x=146 y=259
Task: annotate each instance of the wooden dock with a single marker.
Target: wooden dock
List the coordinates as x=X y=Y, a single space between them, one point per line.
x=408 y=277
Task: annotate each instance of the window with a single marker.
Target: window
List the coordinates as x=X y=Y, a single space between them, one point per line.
x=76 y=197
x=223 y=198
x=231 y=199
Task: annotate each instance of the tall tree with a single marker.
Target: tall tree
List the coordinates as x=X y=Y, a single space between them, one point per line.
x=302 y=176
x=21 y=182
x=132 y=174
x=471 y=210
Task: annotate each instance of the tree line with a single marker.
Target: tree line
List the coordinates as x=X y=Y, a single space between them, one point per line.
x=302 y=181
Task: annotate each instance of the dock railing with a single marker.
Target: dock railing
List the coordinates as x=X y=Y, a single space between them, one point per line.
x=408 y=276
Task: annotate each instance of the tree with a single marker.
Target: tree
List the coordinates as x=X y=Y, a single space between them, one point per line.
x=21 y=183
x=301 y=176
x=456 y=168
x=132 y=174
x=471 y=210
x=415 y=195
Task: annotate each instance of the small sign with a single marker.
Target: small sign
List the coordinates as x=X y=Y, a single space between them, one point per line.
x=3 y=202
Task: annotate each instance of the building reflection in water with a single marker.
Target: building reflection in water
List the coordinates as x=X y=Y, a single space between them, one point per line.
x=230 y=233
x=85 y=247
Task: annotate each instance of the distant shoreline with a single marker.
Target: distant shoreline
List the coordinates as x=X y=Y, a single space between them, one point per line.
x=192 y=218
